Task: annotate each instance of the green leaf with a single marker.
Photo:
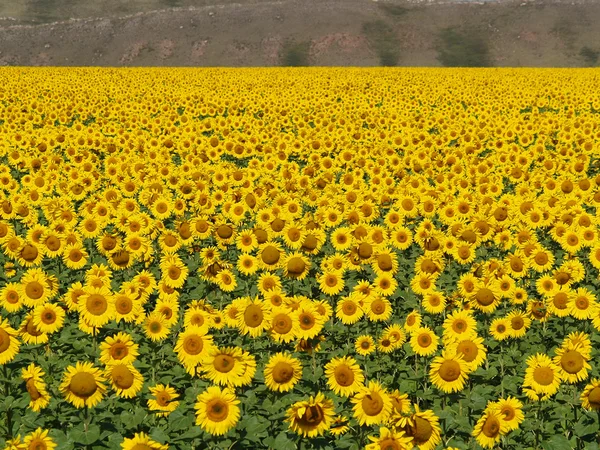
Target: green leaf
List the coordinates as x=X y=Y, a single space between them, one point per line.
x=556 y=442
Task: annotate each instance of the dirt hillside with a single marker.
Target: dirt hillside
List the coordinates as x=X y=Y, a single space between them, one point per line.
x=321 y=33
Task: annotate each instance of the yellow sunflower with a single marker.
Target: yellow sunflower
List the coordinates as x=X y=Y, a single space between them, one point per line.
x=542 y=375
x=512 y=410
x=36 y=387
x=83 y=385
x=142 y=441
x=344 y=376
x=590 y=397
x=311 y=417
x=253 y=317
x=193 y=345
x=217 y=410
x=348 y=309
x=390 y=439
x=282 y=372
x=449 y=372
x=96 y=306
x=9 y=343
x=164 y=401
x=223 y=366
x=38 y=439
x=490 y=428
x=422 y=427
x=118 y=348
x=364 y=345
x=48 y=318
x=424 y=341
x=372 y=404
x=125 y=379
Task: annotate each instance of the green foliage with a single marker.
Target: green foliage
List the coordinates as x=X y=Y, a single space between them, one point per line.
x=383 y=39
x=589 y=55
x=463 y=48
x=295 y=54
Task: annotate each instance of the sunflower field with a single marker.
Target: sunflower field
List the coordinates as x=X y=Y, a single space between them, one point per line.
x=315 y=258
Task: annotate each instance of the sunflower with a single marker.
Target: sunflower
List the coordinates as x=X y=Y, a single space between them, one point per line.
x=424 y=341
x=390 y=439
x=253 y=317
x=142 y=441
x=174 y=271
x=385 y=284
x=34 y=288
x=542 y=375
x=364 y=345
x=226 y=280
x=423 y=283
x=311 y=417
x=217 y=410
x=193 y=345
x=401 y=238
x=128 y=307
x=341 y=239
x=155 y=327
x=490 y=428
x=331 y=282
x=164 y=401
x=125 y=379
x=38 y=439
x=118 y=348
x=518 y=324
x=372 y=404
x=282 y=372
x=449 y=372
x=422 y=427
x=75 y=256
x=412 y=321
x=572 y=362
x=10 y=298
x=270 y=255
x=296 y=266
x=344 y=376
x=310 y=322
x=83 y=385
x=472 y=350
x=96 y=306
x=247 y=264
x=169 y=308
x=30 y=254
x=339 y=426
x=581 y=304
x=396 y=335
x=512 y=409
x=268 y=282
x=9 y=343
x=500 y=329
x=284 y=324
x=34 y=383
x=246 y=241
x=348 y=309
x=486 y=297
x=590 y=397
x=434 y=303
x=48 y=318
x=224 y=366
x=29 y=333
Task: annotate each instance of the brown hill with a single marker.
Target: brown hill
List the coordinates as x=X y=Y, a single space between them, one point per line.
x=292 y=32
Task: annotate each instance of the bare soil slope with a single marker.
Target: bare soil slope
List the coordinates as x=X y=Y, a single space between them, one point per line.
x=326 y=32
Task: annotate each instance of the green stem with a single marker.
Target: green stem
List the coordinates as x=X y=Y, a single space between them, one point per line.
x=9 y=409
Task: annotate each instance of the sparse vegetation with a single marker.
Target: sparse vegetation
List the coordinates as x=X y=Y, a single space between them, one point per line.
x=383 y=39
x=463 y=48
x=565 y=31
x=295 y=54
x=589 y=55
x=393 y=10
